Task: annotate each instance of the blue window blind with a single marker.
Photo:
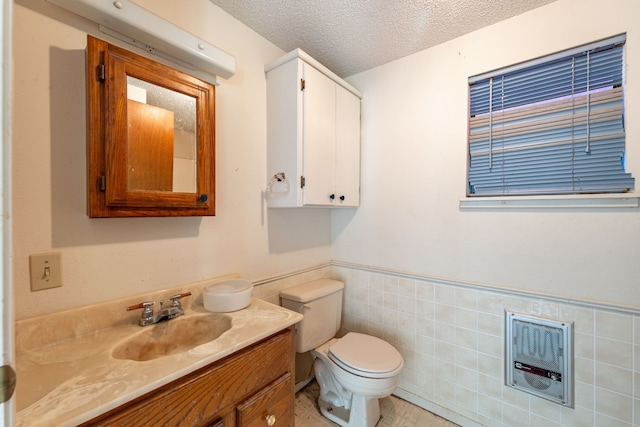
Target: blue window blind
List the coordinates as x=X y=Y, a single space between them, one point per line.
x=550 y=126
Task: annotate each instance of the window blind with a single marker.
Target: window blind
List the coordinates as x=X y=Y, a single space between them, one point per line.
x=552 y=126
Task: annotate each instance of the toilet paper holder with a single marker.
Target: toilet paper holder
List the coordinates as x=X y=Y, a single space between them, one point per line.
x=278 y=185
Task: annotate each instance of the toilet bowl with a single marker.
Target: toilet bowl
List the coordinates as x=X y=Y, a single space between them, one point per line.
x=354 y=371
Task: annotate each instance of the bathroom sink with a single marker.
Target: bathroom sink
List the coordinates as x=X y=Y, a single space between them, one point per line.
x=174 y=336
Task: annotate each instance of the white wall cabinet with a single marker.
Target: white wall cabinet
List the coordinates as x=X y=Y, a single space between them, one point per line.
x=313 y=135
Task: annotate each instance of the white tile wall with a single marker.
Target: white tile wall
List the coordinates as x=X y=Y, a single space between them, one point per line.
x=452 y=339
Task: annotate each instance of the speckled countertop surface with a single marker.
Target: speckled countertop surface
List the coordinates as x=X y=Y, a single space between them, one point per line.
x=67 y=374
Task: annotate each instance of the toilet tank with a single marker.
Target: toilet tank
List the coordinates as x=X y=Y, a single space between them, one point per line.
x=320 y=302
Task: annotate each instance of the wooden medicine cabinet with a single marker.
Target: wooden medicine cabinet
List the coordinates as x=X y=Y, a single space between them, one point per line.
x=150 y=137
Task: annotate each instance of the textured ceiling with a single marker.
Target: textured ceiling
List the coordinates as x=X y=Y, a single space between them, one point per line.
x=349 y=36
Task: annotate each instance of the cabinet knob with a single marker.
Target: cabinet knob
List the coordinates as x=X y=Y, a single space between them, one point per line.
x=342 y=198
x=271 y=420
x=333 y=196
x=203 y=198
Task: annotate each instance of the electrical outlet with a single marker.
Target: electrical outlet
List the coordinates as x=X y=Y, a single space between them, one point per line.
x=46 y=271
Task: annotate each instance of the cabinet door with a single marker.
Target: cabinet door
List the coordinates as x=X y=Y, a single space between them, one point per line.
x=319 y=130
x=130 y=145
x=271 y=406
x=347 y=148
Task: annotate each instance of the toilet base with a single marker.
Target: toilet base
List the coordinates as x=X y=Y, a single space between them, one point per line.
x=364 y=412
x=347 y=399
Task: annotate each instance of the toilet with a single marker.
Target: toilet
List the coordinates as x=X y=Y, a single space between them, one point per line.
x=353 y=371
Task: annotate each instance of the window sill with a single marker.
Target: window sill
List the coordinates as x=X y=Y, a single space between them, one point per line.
x=568 y=202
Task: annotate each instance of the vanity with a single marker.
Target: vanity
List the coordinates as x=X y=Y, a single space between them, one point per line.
x=229 y=392
x=78 y=367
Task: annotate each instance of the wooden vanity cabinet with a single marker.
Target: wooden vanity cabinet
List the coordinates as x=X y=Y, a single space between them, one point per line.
x=253 y=387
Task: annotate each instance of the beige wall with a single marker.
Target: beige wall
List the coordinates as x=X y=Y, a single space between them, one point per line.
x=105 y=259
x=414 y=159
x=413 y=172
x=436 y=273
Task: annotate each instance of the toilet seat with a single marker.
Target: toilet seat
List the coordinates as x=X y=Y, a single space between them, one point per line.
x=366 y=356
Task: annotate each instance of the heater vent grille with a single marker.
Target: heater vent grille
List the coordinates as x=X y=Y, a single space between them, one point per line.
x=539 y=357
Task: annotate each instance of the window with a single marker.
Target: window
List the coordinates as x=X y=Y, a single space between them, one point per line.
x=550 y=126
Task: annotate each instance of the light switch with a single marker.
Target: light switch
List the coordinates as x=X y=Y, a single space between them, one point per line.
x=46 y=271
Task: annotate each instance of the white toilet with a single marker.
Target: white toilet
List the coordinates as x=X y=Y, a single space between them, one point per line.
x=353 y=371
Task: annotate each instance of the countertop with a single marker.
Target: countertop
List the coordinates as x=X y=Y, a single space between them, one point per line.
x=69 y=375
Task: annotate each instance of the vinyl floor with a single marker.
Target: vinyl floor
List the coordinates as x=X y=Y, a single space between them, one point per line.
x=395 y=412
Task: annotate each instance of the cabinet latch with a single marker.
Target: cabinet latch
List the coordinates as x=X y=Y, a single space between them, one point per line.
x=302 y=181
x=102 y=74
x=302 y=84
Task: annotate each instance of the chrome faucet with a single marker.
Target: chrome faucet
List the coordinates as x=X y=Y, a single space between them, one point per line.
x=148 y=317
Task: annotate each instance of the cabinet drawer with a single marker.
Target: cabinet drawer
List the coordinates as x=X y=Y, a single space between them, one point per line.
x=273 y=403
x=208 y=393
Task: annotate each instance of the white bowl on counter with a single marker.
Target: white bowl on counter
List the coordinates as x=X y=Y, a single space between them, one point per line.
x=227 y=295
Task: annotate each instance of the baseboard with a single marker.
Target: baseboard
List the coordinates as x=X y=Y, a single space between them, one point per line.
x=434 y=408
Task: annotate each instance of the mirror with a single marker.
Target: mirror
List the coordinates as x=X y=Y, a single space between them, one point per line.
x=161 y=138
x=150 y=137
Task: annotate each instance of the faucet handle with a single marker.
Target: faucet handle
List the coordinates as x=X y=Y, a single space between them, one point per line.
x=147 y=312
x=145 y=306
x=175 y=299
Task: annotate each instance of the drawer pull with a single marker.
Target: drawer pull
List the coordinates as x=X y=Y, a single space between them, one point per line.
x=271 y=420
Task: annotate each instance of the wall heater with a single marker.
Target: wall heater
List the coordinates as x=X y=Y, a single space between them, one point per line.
x=539 y=357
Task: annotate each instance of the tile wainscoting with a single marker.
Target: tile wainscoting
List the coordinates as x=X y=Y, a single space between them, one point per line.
x=451 y=335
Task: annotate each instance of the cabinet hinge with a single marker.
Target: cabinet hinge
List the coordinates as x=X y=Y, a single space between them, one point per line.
x=302 y=181
x=102 y=74
x=302 y=84
x=102 y=183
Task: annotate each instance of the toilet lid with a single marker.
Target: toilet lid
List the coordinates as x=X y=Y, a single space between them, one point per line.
x=366 y=356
